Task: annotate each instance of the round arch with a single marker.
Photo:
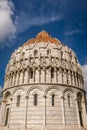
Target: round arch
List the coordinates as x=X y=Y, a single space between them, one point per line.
x=32 y=88
x=20 y=88
x=68 y=90
x=52 y=87
x=7 y=94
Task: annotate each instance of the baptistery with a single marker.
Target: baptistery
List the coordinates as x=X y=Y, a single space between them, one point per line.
x=44 y=87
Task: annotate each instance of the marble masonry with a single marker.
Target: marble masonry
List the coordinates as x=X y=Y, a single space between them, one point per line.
x=43 y=87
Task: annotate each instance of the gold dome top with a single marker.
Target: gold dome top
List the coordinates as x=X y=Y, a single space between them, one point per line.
x=43 y=36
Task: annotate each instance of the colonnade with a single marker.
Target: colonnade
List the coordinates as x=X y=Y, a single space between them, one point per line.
x=44 y=75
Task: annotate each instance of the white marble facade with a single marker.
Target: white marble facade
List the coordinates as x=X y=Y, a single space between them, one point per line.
x=43 y=87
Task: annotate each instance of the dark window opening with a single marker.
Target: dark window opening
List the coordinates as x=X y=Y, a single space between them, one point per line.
x=52 y=72
x=31 y=73
x=7 y=116
x=79 y=101
x=18 y=101
x=80 y=116
x=48 y=51
x=69 y=100
x=53 y=99
x=35 y=100
x=35 y=52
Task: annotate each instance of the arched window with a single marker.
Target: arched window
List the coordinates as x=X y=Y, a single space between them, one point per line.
x=69 y=100
x=35 y=99
x=79 y=102
x=35 y=52
x=52 y=72
x=53 y=99
x=18 y=101
x=48 y=51
x=7 y=116
x=31 y=73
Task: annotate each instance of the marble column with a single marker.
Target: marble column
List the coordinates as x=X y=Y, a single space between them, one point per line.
x=39 y=74
x=17 y=78
x=44 y=110
x=72 y=79
x=9 y=81
x=42 y=75
x=84 y=113
x=60 y=76
x=48 y=75
x=76 y=80
x=21 y=78
x=26 y=77
x=63 y=110
x=69 y=77
x=26 y=105
x=14 y=79
x=77 y=109
x=10 y=112
x=34 y=75
x=55 y=75
x=3 y=112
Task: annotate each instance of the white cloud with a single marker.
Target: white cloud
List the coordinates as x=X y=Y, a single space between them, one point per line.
x=7 y=27
x=71 y=32
x=34 y=21
x=10 y=28
x=84 y=70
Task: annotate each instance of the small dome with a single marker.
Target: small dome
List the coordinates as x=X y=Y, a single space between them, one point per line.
x=42 y=36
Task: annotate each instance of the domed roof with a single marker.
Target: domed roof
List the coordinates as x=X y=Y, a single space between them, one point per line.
x=42 y=36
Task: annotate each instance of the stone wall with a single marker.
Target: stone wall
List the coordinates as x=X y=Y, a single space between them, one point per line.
x=58 y=66
x=63 y=112
x=43 y=87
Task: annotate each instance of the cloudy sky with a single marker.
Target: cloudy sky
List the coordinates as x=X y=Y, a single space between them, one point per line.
x=21 y=20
